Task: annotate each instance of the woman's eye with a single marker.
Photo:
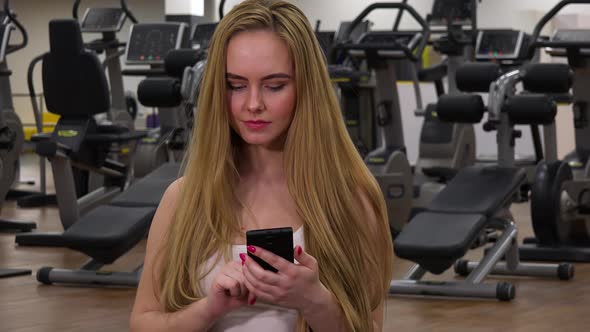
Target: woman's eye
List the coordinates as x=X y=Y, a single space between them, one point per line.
x=276 y=87
x=235 y=87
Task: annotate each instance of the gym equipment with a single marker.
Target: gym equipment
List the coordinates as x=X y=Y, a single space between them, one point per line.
x=109 y=231
x=560 y=205
x=148 y=45
x=355 y=86
x=11 y=130
x=108 y=22
x=76 y=89
x=445 y=147
x=473 y=209
x=382 y=50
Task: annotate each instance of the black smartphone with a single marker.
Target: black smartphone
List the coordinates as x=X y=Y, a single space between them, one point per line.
x=276 y=240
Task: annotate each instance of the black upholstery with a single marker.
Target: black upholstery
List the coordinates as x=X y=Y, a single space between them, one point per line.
x=442 y=239
x=176 y=61
x=535 y=109
x=159 y=92
x=479 y=190
x=145 y=192
x=477 y=77
x=435 y=239
x=547 y=77
x=108 y=232
x=149 y=190
x=461 y=108
x=74 y=81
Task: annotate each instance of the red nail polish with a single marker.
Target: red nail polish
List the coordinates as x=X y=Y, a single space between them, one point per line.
x=251 y=249
x=243 y=258
x=253 y=301
x=299 y=250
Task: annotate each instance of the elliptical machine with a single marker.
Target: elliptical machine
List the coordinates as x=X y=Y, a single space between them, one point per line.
x=11 y=130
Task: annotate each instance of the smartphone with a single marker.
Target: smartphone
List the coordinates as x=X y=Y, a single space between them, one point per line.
x=279 y=241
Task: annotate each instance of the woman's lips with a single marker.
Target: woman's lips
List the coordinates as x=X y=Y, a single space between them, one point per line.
x=257 y=124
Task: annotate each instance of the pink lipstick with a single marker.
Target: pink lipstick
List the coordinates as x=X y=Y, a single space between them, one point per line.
x=256 y=124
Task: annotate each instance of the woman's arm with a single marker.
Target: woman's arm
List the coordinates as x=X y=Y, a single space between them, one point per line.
x=325 y=313
x=147 y=313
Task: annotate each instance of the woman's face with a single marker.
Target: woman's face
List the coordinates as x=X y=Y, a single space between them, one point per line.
x=261 y=87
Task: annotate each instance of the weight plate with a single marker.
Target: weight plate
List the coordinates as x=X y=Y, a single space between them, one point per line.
x=546 y=195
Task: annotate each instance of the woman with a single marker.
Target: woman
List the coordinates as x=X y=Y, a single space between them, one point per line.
x=269 y=150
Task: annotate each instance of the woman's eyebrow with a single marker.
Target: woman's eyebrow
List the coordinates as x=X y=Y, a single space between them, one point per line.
x=267 y=77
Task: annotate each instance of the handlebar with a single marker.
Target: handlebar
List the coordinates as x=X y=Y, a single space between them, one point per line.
x=402 y=6
x=128 y=13
x=21 y=28
x=536 y=43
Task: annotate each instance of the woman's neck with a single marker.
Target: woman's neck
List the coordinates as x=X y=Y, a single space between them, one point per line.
x=262 y=165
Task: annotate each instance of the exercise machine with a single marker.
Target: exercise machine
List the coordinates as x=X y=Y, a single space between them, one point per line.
x=560 y=196
x=109 y=231
x=465 y=216
x=148 y=45
x=11 y=131
x=382 y=51
x=76 y=89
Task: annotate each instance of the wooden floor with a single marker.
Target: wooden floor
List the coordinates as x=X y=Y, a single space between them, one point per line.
x=26 y=305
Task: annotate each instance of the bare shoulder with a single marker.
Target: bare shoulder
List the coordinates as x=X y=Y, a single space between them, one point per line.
x=167 y=205
x=365 y=205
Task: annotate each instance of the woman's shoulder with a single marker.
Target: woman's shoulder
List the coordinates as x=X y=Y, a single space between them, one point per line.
x=168 y=203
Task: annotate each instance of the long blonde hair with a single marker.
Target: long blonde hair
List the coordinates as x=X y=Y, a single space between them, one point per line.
x=325 y=176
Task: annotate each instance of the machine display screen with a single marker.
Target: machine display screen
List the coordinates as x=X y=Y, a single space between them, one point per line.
x=103 y=20
x=458 y=11
x=499 y=44
x=203 y=33
x=355 y=34
x=149 y=43
x=572 y=35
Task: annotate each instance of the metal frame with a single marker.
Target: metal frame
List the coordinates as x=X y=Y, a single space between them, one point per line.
x=473 y=286
x=90 y=274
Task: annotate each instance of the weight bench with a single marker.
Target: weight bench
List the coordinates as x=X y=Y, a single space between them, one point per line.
x=109 y=231
x=467 y=213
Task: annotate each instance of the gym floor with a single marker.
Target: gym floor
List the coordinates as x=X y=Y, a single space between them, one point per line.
x=26 y=305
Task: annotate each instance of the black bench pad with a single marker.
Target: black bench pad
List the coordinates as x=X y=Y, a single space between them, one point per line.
x=149 y=190
x=479 y=190
x=107 y=232
x=166 y=171
x=437 y=240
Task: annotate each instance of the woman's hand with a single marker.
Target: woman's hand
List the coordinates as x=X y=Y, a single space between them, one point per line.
x=228 y=291
x=295 y=286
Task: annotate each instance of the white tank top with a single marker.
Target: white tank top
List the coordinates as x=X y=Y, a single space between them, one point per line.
x=260 y=316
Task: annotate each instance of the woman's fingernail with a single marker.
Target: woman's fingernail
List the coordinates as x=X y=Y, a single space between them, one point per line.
x=243 y=258
x=253 y=301
x=299 y=250
x=251 y=249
